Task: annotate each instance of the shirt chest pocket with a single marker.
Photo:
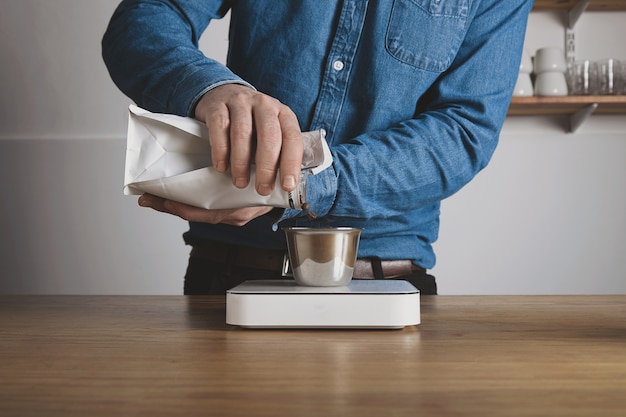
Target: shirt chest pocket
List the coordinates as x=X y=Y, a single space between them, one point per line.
x=426 y=33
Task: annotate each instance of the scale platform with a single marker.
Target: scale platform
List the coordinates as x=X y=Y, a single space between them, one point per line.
x=373 y=304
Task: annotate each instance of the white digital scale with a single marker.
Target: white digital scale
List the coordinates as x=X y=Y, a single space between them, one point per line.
x=374 y=304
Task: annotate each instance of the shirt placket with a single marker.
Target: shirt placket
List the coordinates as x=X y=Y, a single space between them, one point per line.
x=338 y=66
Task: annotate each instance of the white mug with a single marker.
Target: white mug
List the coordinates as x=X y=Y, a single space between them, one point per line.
x=526 y=64
x=550 y=59
x=551 y=84
x=523 y=86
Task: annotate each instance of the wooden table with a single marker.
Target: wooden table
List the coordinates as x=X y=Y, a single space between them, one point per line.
x=172 y=356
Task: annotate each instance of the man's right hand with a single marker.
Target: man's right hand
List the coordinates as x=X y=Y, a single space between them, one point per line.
x=244 y=126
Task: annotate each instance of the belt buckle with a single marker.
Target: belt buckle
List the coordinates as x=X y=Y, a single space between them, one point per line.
x=286 y=271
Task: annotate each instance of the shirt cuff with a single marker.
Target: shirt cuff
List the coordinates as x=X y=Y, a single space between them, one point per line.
x=321 y=191
x=191 y=110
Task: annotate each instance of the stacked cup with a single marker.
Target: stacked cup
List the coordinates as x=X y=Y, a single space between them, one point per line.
x=550 y=68
x=604 y=77
x=583 y=77
x=610 y=76
x=524 y=85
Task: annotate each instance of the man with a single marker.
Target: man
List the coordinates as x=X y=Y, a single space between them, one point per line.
x=412 y=95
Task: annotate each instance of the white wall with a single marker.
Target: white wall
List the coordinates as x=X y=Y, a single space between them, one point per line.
x=547 y=216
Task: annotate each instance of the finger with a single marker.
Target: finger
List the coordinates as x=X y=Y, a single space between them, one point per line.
x=268 y=147
x=240 y=217
x=184 y=211
x=235 y=217
x=291 y=152
x=193 y=214
x=152 y=201
x=241 y=143
x=218 y=124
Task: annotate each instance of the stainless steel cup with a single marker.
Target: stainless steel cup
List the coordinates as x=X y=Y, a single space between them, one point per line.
x=322 y=257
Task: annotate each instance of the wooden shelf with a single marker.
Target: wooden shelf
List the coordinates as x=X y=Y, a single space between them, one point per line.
x=597 y=5
x=568 y=105
x=577 y=108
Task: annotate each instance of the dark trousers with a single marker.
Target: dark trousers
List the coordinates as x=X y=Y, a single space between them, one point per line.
x=210 y=277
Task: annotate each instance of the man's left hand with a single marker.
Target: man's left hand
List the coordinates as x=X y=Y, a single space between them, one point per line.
x=234 y=217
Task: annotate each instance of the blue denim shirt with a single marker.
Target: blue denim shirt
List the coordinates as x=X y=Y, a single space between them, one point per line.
x=412 y=95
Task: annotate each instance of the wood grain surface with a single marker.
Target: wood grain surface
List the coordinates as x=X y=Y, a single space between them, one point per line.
x=174 y=355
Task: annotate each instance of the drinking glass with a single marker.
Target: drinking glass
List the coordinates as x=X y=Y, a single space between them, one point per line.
x=582 y=77
x=609 y=76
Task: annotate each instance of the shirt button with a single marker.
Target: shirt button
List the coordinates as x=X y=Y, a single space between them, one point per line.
x=338 y=65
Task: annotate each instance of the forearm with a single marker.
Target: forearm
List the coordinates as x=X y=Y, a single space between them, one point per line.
x=151 y=51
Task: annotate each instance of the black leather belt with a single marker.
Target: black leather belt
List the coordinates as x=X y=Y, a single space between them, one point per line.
x=275 y=260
